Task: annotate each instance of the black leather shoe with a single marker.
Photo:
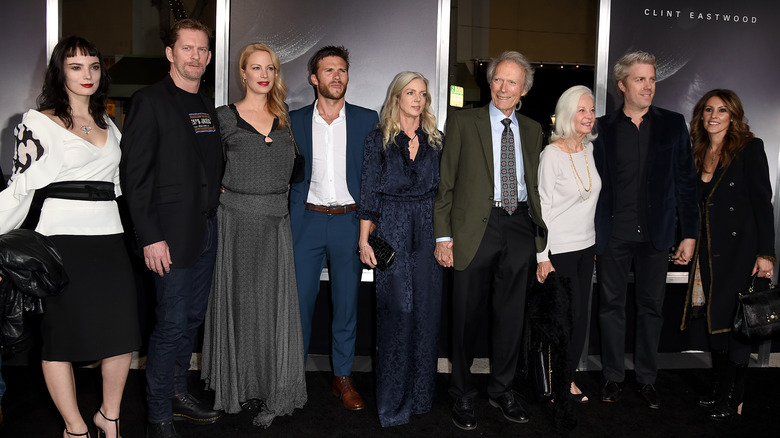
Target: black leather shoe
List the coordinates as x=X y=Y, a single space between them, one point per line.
x=510 y=407
x=161 y=430
x=650 y=396
x=463 y=413
x=610 y=393
x=188 y=408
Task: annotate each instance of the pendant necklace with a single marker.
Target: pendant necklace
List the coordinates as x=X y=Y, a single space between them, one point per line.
x=577 y=174
x=87 y=128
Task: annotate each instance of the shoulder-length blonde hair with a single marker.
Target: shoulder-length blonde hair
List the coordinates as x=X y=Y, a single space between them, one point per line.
x=737 y=135
x=390 y=123
x=278 y=92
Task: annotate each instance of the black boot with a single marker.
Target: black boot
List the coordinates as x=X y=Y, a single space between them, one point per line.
x=719 y=364
x=730 y=405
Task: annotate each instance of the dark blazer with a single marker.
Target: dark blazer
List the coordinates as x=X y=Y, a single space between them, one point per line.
x=740 y=226
x=465 y=194
x=360 y=121
x=671 y=179
x=163 y=177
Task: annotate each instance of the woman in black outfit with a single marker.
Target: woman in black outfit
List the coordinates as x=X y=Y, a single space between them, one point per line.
x=70 y=147
x=736 y=237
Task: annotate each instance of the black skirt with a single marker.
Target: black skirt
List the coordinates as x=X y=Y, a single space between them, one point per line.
x=96 y=315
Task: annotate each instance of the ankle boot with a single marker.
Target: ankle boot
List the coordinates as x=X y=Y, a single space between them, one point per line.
x=730 y=405
x=719 y=364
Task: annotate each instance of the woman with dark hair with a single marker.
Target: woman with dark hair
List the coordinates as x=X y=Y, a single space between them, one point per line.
x=399 y=183
x=253 y=348
x=68 y=153
x=736 y=238
x=569 y=188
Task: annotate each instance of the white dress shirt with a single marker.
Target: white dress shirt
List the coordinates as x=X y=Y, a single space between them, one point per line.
x=329 y=161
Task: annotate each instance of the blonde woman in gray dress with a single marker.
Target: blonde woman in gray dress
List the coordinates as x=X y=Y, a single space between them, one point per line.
x=253 y=347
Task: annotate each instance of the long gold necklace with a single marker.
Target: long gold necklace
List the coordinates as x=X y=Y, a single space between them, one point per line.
x=577 y=174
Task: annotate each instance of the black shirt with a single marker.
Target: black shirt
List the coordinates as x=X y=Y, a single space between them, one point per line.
x=630 y=220
x=209 y=144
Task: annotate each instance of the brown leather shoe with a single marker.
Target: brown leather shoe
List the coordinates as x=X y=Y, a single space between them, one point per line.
x=342 y=388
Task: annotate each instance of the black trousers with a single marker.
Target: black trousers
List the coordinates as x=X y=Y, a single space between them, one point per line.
x=577 y=266
x=492 y=287
x=650 y=266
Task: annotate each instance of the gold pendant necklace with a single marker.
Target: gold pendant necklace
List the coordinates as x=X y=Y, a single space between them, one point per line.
x=577 y=174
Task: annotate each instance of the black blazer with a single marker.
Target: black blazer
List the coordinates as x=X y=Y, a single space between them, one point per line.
x=671 y=179
x=740 y=226
x=163 y=176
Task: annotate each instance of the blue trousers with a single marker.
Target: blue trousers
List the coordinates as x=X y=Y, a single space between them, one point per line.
x=333 y=238
x=182 y=299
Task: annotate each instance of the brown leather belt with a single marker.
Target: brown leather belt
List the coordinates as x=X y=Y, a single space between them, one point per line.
x=340 y=209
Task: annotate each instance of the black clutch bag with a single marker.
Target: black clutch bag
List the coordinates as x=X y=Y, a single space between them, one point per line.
x=758 y=312
x=383 y=251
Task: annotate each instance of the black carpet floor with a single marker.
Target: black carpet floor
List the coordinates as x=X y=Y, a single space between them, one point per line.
x=29 y=411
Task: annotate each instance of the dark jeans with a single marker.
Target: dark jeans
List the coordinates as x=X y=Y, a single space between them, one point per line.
x=182 y=299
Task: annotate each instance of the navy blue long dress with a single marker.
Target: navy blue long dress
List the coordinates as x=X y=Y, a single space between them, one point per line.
x=397 y=195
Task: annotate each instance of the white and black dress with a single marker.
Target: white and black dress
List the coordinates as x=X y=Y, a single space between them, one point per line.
x=96 y=315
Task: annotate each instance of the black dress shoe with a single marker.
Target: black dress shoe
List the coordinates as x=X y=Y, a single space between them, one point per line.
x=650 y=396
x=463 y=413
x=188 y=408
x=161 y=430
x=510 y=407
x=610 y=392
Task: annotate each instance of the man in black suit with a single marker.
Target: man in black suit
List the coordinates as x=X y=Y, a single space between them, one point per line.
x=170 y=171
x=643 y=154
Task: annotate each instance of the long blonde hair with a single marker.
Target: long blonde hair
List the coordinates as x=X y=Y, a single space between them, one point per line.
x=278 y=93
x=390 y=123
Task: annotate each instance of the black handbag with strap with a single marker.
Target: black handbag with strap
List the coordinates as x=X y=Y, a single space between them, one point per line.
x=758 y=312
x=299 y=164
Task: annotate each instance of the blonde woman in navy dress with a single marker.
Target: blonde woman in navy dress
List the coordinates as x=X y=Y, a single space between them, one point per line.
x=69 y=141
x=400 y=181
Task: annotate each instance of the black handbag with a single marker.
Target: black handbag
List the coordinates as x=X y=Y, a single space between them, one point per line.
x=758 y=312
x=383 y=252
x=540 y=372
x=299 y=164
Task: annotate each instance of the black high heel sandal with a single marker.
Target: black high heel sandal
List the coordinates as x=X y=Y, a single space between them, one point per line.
x=102 y=433
x=86 y=434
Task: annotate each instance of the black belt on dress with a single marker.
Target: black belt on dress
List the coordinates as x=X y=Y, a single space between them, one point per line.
x=339 y=209
x=80 y=190
x=72 y=190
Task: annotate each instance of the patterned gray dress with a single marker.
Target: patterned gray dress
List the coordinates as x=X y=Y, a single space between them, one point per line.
x=253 y=347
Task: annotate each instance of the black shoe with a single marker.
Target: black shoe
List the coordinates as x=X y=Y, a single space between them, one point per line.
x=610 y=393
x=650 y=396
x=188 y=408
x=463 y=413
x=254 y=405
x=161 y=430
x=510 y=407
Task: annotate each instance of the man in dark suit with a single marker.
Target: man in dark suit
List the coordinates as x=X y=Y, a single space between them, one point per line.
x=331 y=134
x=484 y=217
x=170 y=171
x=643 y=154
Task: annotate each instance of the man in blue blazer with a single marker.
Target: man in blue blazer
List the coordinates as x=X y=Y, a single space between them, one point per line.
x=330 y=135
x=643 y=155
